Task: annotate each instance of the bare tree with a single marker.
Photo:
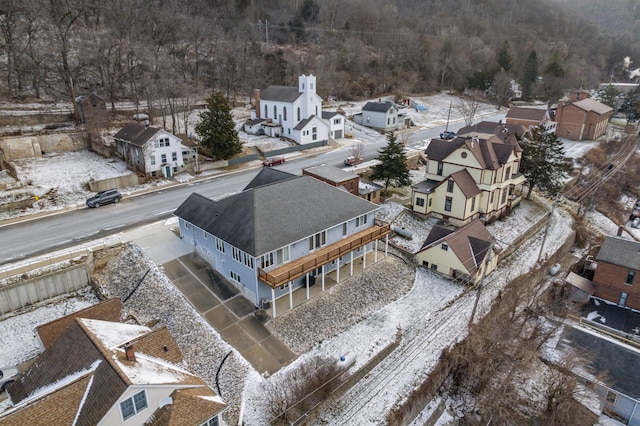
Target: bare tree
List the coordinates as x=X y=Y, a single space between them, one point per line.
x=357 y=150
x=468 y=107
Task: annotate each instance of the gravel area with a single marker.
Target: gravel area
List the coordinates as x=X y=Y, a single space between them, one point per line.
x=346 y=304
x=118 y=272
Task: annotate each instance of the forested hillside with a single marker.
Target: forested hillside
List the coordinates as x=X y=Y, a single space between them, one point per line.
x=155 y=50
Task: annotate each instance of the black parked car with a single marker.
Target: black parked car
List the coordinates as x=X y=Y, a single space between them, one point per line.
x=104 y=197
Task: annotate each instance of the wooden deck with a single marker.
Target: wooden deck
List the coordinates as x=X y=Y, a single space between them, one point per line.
x=299 y=267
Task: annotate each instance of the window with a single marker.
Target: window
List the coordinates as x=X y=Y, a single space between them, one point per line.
x=267 y=260
x=204 y=235
x=219 y=245
x=623 y=299
x=163 y=158
x=236 y=253
x=491 y=199
x=344 y=229
x=336 y=121
x=248 y=261
x=444 y=247
x=361 y=220
x=284 y=112
x=434 y=267
x=282 y=255
x=153 y=160
x=630 y=276
x=473 y=203
x=235 y=277
x=368 y=119
x=298 y=113
x=318 y=240
x=213 y=421
x=284 y=286
x=174 y=156
x=507 y=175
x=504 y=195
x=266 y=112
x=156 y=144
x=430 y=201
x=131 y=406
x=275 y=112
x=450 y=186
x=187 y=225
x=447 y=204
x=439 y=172
x=464 y=154
x=420 y=202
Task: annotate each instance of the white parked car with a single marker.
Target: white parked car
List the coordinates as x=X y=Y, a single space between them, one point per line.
x=8 y=375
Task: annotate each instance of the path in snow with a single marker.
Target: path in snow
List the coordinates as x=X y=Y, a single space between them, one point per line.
x=373 y=397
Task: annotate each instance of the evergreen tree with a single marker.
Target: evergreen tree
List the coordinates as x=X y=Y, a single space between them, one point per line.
x=609 y=96
x=392 y=168
x=554 y=67
x=503 y=57
x=529 y=73
x=543 y=162
x=217 y=129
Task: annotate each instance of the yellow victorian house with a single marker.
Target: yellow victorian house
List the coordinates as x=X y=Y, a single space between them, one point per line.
x=470 y=177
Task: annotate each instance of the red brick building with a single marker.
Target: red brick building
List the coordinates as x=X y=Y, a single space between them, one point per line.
x=582 y=118
x=615 y=275
x=334 y=176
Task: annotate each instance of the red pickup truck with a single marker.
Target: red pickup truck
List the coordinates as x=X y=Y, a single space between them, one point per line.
x=352 y=161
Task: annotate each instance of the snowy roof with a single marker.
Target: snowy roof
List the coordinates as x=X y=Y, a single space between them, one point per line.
x=96 y=347
x=108 y=310
x=486 y=129
x=265 y=218
x=187 y=407
x=330 y=173
x=366 y=187
x=491 y=153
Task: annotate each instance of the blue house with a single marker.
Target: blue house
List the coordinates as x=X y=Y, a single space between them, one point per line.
x=282 y=232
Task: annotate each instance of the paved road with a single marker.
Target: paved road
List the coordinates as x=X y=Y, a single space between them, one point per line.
x=40 y=235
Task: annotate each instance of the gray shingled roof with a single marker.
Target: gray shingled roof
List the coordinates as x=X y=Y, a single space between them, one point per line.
x=593 y=105
x=485 y=129
x=136 y=134
x=464 y=181
x=331 y=173
x=326 y=115
x=303 y=123
x=254 y=121
x=268 y=217
x=280 y=94
x=378 y=106
x=268 y=175
x=426 y=186
x=439 y=149
x=621 y=252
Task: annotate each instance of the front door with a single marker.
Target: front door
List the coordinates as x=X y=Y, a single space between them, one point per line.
x=167 y=171
x=623 y=299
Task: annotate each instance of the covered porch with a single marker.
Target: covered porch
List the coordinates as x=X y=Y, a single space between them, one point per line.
x=312 y=266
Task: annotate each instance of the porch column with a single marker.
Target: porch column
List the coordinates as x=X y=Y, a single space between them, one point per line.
x=375 y=253
x=338 y=271
x=273 y=302
x=386 y=245
x=364 y=258
x=307 y=286
x=290 y=295
x=351 y=265
x=322 y=277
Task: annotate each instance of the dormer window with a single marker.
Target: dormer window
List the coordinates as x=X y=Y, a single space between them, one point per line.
x=132 y=406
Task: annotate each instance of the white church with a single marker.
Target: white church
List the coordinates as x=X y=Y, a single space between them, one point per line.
x=294 y=113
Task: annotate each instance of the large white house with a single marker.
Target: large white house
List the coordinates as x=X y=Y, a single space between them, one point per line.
x=291 y=112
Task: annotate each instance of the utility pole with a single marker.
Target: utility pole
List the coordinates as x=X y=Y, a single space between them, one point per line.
x=481 y=283
x=546 y=229
x=266 y=26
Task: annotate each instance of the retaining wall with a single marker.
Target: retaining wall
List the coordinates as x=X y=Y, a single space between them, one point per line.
x=115 y=182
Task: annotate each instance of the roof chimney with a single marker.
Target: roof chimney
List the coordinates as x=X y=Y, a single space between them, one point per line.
x=146 y=123
x=620 y=229
x=129 y=352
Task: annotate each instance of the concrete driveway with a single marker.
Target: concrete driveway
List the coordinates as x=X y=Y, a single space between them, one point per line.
x=228 y=312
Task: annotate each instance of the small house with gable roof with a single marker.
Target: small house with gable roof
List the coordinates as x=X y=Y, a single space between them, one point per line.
x=581 y=117
x=151 y=151
x=380 y=115
x=465 y=253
